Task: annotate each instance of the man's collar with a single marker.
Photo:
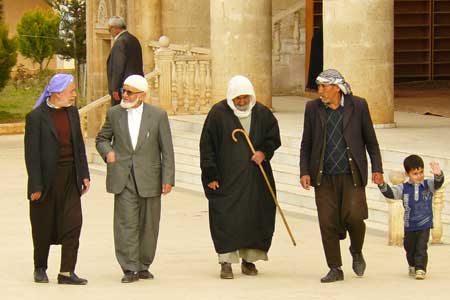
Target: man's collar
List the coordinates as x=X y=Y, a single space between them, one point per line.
x=51 y=105
x=119 y=34
x=138 y=109
x=341 y=104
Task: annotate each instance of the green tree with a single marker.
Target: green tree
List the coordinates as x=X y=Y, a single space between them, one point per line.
x=72 y=30
x=38 y=35
x=8 y=55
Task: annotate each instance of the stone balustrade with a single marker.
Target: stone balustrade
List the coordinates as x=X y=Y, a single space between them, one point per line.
x=396 y=214
x=294 y=16
x=183 y=82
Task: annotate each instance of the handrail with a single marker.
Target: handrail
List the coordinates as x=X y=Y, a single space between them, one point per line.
x=181 y=48
x=296 y=7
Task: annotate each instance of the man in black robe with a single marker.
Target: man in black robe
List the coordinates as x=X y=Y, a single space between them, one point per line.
x=241 y=209
x=58 y=175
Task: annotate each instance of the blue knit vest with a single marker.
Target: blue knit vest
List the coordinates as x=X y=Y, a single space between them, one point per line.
x=419 y=211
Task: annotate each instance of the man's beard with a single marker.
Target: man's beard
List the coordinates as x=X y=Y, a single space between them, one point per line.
x=128 y=105
x=324 y=100
x=242 y=107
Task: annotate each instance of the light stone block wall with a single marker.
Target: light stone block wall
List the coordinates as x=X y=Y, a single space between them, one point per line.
x=186 y=21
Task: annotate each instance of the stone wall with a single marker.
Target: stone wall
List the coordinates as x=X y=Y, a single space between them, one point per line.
x=186 y=21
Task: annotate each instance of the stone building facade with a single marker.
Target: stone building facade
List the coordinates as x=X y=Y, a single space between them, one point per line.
x=265 y=40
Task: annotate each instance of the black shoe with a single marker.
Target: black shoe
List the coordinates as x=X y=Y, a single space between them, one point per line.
x=145 y=275
x=72 y=279
x=130 y=276
x=333 y=275
x=359 y=264
x=40 y=275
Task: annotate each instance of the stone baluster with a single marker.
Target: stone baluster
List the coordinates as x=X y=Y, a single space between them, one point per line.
x=174 y=88
x=165 y=57
x=202 y=73
x=179 y=65
x=208 y=86
x=191 y=87
x=438 y=204
x=277 y=41
x=197 y=86
x=186 y=86
x=396 y=213
x=296 y=30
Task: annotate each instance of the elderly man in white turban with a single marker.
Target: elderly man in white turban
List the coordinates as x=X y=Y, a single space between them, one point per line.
x=136 y=144
x=241 y=210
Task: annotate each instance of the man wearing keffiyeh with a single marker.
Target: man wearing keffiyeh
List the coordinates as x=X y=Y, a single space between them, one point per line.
x=58 y=175
x=336 y=133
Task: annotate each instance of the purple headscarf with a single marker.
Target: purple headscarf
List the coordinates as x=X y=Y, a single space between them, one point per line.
x=58 y=83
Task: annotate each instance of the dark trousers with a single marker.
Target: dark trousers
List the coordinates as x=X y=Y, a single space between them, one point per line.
x=341 y=207
x=57 y=219
x=416 y=245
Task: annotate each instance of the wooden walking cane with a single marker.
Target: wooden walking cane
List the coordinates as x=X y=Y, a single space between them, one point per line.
x=233 y=136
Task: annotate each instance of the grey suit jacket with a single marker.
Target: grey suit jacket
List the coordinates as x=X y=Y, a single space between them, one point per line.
x=152 y=160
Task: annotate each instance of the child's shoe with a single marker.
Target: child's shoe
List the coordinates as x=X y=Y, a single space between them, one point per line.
x=412 y=271
x=420 y=274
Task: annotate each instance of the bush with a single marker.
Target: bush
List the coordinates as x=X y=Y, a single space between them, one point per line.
x=37 y=36
x=8 y=55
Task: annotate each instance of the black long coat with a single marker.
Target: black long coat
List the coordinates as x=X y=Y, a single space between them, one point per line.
x=125 y=59
x=241 y=210
x=359 y=136
x=42 y=149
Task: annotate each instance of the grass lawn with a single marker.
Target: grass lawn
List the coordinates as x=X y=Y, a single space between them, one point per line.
x=16 y=103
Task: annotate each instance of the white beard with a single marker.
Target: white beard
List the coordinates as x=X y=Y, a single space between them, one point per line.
x=128 y=105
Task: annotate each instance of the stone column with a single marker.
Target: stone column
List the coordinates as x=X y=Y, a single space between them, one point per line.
x=358 y=38
x=241 y=44
x=144 y=21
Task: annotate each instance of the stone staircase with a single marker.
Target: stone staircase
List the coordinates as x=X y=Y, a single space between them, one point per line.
x=186 y=132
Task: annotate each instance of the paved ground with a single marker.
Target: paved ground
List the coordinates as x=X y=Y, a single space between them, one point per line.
x=186 y=266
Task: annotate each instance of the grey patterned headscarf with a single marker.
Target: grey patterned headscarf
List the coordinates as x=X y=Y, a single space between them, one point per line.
x=332 y=76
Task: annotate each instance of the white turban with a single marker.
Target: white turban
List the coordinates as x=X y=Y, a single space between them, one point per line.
x=136 y=83
x=237 y=86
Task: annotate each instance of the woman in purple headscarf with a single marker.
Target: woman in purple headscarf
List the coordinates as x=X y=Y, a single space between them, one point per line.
x=58 y=175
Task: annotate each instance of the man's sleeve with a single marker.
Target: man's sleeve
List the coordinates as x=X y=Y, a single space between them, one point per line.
x=370 y=140
x=81 y=148
x=119 y=61
x=272 y=140
x=167 y=154
x=104 y=137
x=306 y=143
x=208 y=150
x=32 y=144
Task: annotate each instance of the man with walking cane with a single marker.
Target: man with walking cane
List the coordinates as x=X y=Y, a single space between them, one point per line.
x=241 y=208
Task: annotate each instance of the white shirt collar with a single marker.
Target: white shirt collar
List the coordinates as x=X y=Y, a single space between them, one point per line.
x=138 y=109
x=342 y=100
x=119 y=34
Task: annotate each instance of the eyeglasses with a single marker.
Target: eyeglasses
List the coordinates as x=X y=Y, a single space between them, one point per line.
x=129 y=93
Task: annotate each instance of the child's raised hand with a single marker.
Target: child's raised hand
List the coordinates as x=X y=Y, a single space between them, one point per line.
x=435 y=168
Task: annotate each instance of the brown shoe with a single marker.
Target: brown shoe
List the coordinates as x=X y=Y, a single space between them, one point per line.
x=226 y=272
x=248 y=268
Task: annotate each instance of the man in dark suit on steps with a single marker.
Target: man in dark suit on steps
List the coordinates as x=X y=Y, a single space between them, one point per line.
x=125 y=58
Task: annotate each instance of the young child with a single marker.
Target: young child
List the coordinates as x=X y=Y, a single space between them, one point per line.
x=417 y=196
